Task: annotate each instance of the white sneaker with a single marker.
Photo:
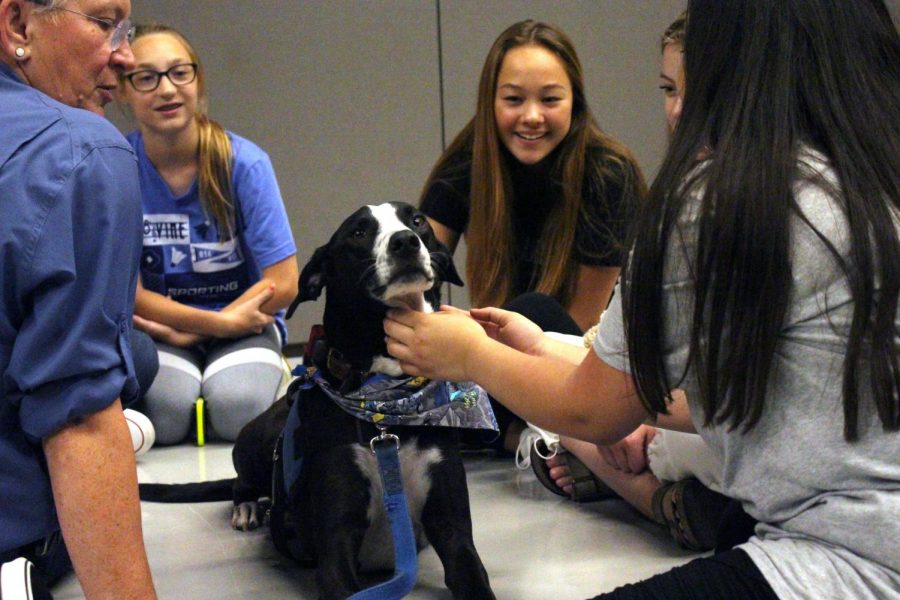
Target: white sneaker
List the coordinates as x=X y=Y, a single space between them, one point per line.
x=143 y=435
x=18 y=582
x=529 y=439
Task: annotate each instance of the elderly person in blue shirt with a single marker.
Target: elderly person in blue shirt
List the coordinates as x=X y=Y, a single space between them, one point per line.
x=70 y=219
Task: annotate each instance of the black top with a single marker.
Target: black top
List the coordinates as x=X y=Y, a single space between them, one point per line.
x=602 y=224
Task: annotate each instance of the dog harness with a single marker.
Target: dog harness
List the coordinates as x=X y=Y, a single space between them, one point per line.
x=382 y=401
x=415 y=401
x=387 y=401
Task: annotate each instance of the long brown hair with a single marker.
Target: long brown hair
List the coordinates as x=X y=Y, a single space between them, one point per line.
x=214 y=153
x=818 y=73
x=489 y=235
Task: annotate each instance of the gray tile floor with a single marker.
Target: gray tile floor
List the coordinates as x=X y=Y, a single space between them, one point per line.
x=534 y=544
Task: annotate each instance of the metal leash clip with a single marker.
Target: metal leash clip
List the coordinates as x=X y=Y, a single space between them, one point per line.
x=383 y=436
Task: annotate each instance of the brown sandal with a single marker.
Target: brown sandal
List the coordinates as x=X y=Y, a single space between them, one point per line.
x=691 y=512
x=585 y=486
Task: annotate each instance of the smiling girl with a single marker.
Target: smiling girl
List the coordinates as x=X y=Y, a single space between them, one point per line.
x=540 y=192
x=218 y=265
x=542 y=195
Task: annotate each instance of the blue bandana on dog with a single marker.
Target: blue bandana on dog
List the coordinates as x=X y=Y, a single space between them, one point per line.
x=414 y=401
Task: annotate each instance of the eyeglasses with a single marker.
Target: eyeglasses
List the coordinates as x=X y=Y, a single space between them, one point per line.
x=121 y=32
x=148 y=80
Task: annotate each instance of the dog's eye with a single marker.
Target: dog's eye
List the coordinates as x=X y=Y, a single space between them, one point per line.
x=418 y=220
x=359 y=232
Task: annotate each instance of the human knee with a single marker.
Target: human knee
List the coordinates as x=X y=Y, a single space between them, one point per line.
x=232 y=407
x=170 y=407
x=532 y=304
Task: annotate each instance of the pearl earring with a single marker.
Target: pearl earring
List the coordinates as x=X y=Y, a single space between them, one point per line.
x=20 y=52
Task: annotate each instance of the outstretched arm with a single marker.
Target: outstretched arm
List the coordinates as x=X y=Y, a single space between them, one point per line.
x=589 y=400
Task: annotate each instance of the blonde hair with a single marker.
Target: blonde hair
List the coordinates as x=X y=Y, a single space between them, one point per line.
x=489 y=233
x=674 y=33
x=214 y=152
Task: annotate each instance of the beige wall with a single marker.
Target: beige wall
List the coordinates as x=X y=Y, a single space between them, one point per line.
x=345 y=95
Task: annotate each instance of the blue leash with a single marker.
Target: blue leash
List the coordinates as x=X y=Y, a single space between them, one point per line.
x=386 y=448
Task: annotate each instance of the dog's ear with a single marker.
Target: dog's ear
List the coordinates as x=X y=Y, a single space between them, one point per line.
x=312 y=279
x=443 y=265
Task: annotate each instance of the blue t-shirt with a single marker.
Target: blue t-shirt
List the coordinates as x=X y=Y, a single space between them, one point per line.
x=183 y=255
x=70 y=219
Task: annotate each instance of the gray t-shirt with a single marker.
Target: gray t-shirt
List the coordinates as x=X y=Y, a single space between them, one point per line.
x=829 y=511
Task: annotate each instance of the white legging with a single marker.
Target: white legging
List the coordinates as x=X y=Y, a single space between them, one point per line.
x=238 y=379
x=674 y=455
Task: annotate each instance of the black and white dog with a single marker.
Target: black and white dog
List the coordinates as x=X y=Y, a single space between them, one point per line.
x=332 y=516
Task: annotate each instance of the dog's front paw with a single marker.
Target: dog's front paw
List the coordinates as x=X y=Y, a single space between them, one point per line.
x=245 y=516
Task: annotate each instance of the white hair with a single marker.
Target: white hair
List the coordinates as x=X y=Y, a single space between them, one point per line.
x=47 y=4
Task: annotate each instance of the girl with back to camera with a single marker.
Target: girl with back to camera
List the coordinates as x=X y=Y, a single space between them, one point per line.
x=219 y=265
x=764 y=282
x=543 y=196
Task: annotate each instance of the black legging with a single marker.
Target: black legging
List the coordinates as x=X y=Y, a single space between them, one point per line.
x=545 y=311
x=548 y=314
x=728 y=575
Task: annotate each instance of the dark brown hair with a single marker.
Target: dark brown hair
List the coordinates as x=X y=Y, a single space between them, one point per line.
x=765 y=78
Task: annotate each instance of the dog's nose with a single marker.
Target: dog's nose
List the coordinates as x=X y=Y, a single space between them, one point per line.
x=404 y=243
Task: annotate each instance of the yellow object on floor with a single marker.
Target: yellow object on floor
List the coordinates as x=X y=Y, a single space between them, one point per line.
x=201 y=424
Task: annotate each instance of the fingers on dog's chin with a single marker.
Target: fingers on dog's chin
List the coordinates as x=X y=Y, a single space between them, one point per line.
x=410 y=369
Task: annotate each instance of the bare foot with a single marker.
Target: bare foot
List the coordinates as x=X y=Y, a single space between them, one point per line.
x=559 y=473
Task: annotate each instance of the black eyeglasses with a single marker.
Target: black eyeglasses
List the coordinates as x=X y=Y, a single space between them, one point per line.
x=148 y=80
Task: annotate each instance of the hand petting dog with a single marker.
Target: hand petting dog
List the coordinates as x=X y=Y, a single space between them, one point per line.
x=442 y=345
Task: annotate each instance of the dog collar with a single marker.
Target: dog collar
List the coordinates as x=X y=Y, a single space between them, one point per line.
x=390 y=401
x=339 y=366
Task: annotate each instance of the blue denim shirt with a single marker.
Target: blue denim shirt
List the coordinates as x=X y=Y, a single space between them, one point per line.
x=70 y=242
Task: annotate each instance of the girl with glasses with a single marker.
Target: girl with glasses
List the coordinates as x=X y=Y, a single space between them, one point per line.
x=218 y=265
